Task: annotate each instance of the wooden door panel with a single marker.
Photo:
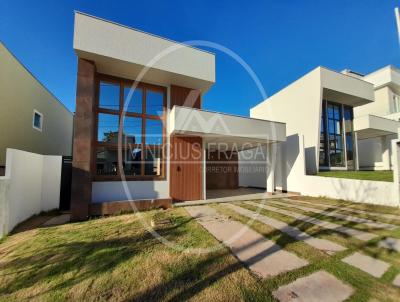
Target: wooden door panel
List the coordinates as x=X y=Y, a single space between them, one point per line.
x=186 y=168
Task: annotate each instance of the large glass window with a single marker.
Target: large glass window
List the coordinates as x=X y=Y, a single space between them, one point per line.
x=335 y=139
x=335 y=132
x=136 y=116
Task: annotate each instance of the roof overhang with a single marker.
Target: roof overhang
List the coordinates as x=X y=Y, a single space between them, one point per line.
x=370 y=126
x=229 y=131
x=126 y=52
x=345 y=89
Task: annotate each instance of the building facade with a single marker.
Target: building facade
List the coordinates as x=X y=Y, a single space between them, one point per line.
x=141 y=137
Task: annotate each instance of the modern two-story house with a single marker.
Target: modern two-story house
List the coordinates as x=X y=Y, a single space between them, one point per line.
x=141 y=137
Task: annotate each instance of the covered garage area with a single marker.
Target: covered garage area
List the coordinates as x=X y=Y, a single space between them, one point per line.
x=223 y=137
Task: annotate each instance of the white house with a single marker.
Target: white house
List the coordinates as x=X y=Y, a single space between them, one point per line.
x=343 y=120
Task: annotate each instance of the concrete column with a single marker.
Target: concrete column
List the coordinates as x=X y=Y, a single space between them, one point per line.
x=355 y=156
x=385 y=153
x=204 y=170
x=396 y=169
x=81 y=191
x=271 y=166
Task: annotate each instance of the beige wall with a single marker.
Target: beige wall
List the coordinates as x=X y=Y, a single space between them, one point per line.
x=20 y=94
x=382 y=105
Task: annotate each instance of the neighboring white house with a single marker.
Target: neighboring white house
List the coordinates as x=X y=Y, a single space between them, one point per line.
x=319 y=108
x=377 y=123
x=31 y=118
x=343 y=120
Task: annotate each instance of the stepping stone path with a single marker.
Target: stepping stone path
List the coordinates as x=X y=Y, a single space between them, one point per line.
x=262 y=256
x=364 y=236
x=317 y=287
x=372 y=266
x=344 y=208
x=371 y=223
x=320 y=244
x=390 y=243
x=396 y=281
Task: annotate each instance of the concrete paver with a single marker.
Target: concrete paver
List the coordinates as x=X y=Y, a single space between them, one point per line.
x=371 y=223
x=262 y=256
x=364 y=236
x=321 y=244
x=396 y=281
x=317 y=287
x=390 y=243
x=372 y=266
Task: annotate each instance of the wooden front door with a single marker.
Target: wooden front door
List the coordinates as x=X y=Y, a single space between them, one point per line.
x=186 y=174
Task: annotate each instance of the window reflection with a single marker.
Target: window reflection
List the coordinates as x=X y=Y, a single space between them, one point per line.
x=154 y=102
x=108 y=125
x=153 y=161
x=109 y=96
x=133 y=99
x=106 y=161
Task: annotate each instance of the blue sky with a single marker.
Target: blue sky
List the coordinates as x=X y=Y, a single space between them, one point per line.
x=281 y=40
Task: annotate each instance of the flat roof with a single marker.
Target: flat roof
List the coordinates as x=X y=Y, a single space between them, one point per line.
x=142 y=31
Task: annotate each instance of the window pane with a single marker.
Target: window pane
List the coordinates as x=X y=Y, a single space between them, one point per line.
x=154 y=102
x=109 y=96
x=338 y=127
x=132 y=130
x=154 y=132
x=108 y=128
x=331 y=126
x=330 y=111
x=133 y=161
x=133 y=98
x=153 y=161
x=337 y=113
x=37 y=121
x=106 y=161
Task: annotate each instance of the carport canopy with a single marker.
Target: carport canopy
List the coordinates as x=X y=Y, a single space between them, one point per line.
x=230 y=131
x=370 y=126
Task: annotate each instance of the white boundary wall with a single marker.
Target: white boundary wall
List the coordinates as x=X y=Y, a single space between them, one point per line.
x=31 y=185
x=374 y=192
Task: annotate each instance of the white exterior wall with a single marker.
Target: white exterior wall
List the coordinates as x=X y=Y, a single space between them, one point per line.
x=375 y=192
x=253 y=168
x=105 y=191
x=31 y=185
x=298 y=106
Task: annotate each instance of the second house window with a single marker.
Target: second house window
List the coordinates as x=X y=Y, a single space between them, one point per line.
x=136 y=119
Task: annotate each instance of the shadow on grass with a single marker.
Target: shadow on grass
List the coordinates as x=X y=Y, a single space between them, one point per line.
x=84 y=259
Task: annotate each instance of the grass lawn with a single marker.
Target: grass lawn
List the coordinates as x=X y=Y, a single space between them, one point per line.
x=363 y=175
x=117 y=259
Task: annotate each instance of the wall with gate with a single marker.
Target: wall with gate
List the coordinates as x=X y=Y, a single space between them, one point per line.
x=31 y=185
